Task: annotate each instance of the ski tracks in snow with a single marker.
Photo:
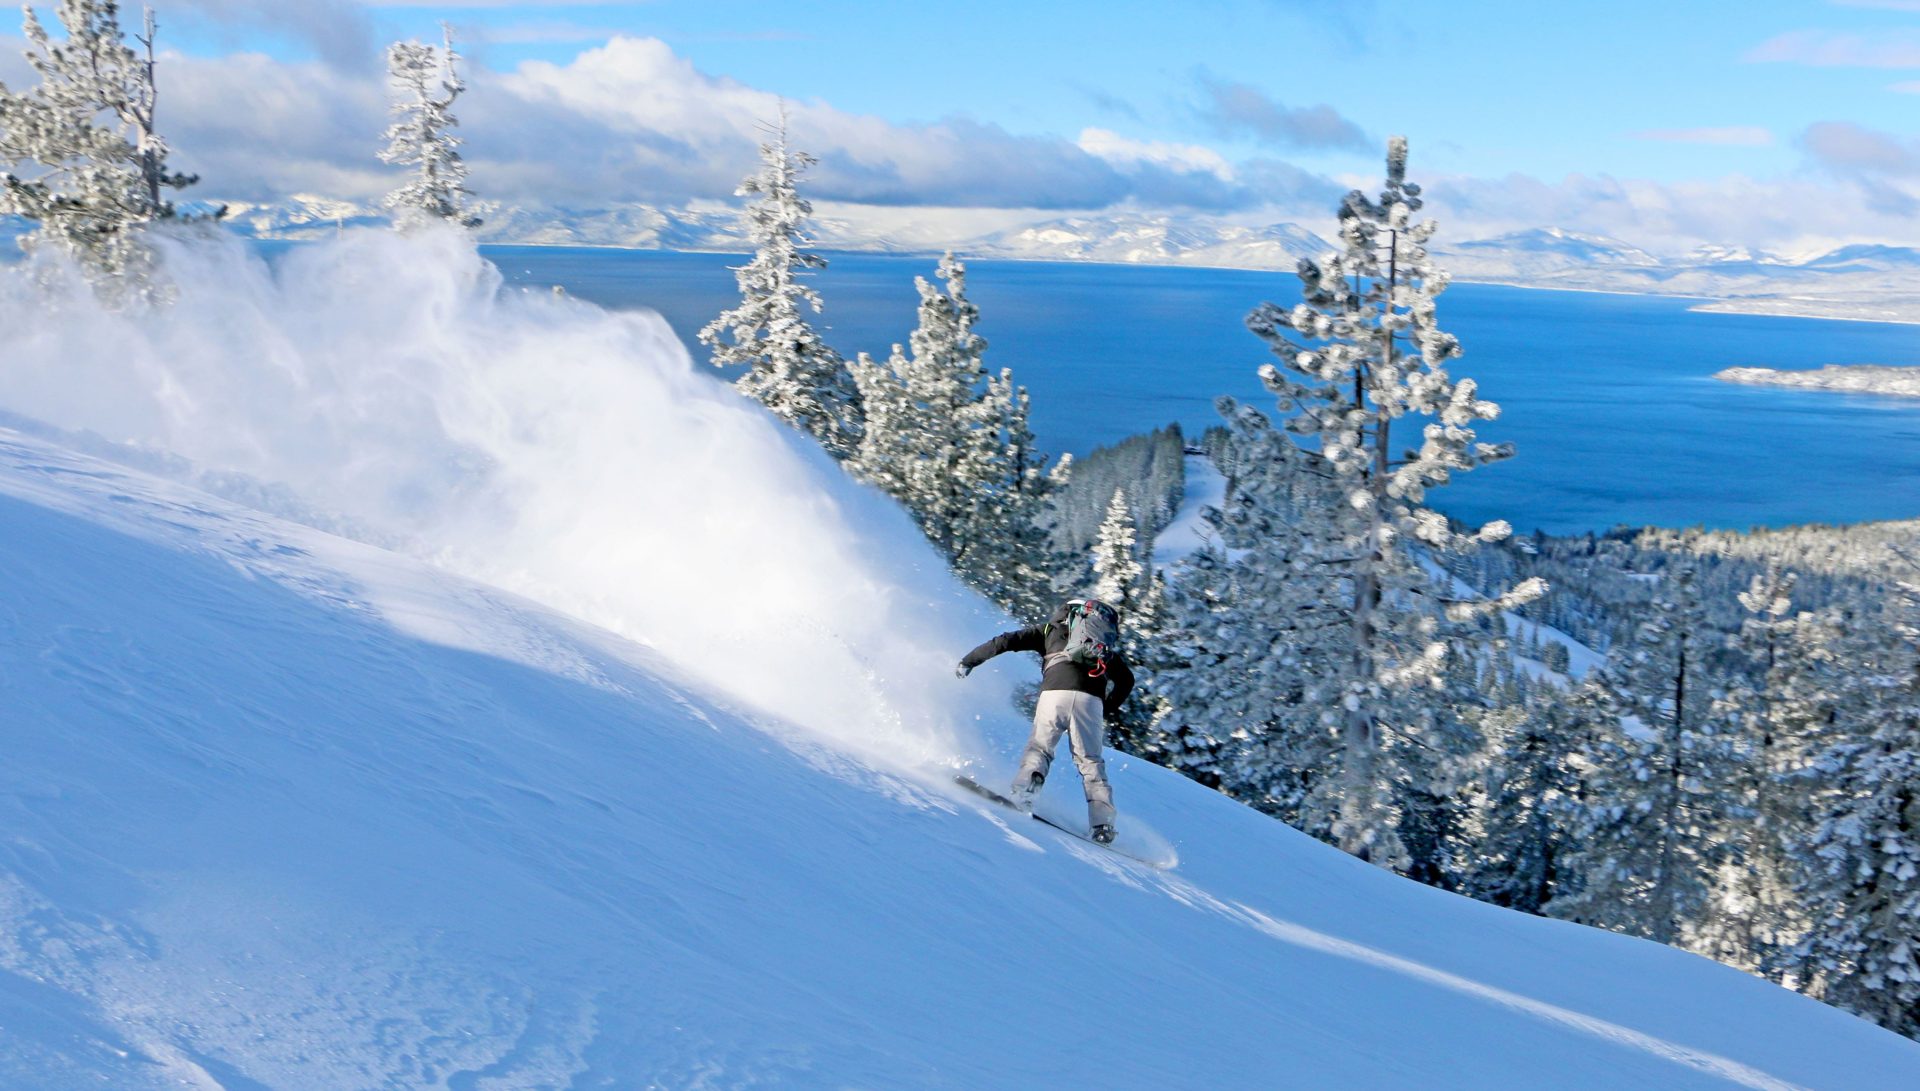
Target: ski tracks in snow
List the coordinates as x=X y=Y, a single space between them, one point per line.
x=1626 y=1037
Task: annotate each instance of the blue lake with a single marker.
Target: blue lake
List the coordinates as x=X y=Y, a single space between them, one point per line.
x=1607 y=397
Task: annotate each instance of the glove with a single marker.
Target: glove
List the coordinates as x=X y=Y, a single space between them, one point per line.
x=961 y=670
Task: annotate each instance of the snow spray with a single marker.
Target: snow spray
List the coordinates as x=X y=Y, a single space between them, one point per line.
x=391 y=388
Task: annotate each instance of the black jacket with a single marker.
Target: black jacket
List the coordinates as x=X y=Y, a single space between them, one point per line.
x=1045 y=640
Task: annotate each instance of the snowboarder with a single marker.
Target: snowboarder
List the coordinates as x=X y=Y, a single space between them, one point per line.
x=1084 y=680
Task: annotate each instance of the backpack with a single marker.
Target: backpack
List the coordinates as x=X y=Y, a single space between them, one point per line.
x=1093 y=635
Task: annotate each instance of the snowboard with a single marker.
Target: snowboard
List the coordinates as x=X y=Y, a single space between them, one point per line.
x=987 y=793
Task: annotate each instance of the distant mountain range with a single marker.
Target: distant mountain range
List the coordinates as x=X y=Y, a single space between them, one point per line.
x=1137 y=239
x=1861 y=281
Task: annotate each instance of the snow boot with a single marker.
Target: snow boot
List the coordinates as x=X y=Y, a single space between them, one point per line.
x=1023 y=791
x=1103 y=834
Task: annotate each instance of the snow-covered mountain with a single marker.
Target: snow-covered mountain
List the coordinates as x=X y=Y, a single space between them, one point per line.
x=612 y=747
x=1857 y=281
x=1122 y=238
x=1542 y=250
x=302 y=216
x=1155 y=240
x=1860 y=281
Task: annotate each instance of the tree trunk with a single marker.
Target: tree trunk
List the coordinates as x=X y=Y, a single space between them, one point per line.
x=1359 y=738
x=1664 y=925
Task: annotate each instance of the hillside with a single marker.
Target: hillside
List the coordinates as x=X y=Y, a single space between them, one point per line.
x=290 y=811
x=621 y=758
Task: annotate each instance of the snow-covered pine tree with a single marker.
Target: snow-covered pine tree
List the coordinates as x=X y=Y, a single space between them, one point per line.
x=790 y=370
x=1183 y=737
x=1254 y=635
x=929 y=398
x=1650 y=829
x=1528 y=790
x=1009 y=554
x=421 y=140
x=95 y=164
x=944 y=379
x=1125 y=579
x=1754 y=917
x=953 y=445
x=1862 y=951
x=1116 y=569
x=1362 y=352
x=891 y=437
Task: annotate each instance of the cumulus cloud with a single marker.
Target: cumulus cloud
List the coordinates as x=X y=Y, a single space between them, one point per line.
x=1117 y=149
x=693 y=132
x=1239 y=109
x=299 y=127
x=632 y=121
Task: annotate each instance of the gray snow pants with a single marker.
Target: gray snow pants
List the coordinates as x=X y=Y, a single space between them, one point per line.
x=1076 y=715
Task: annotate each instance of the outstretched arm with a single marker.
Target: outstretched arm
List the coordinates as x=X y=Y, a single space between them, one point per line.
x=1020 y=640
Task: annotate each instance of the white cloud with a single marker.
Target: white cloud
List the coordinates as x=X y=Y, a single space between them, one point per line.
x=1742 y=136
x=255 y=128
x=632 y=121
x=1118 y=149
x=635 y=122
x=700 y=131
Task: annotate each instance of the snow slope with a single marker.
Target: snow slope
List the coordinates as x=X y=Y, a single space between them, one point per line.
x=1187 y=533
x=284 y=809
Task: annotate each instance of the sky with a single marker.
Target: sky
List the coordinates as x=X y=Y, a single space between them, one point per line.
x=1790 y=125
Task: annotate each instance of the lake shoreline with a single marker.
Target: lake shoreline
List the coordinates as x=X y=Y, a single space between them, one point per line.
x=1755 y=306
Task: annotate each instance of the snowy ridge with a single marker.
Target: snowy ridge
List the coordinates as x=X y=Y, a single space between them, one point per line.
x=1548 y=249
